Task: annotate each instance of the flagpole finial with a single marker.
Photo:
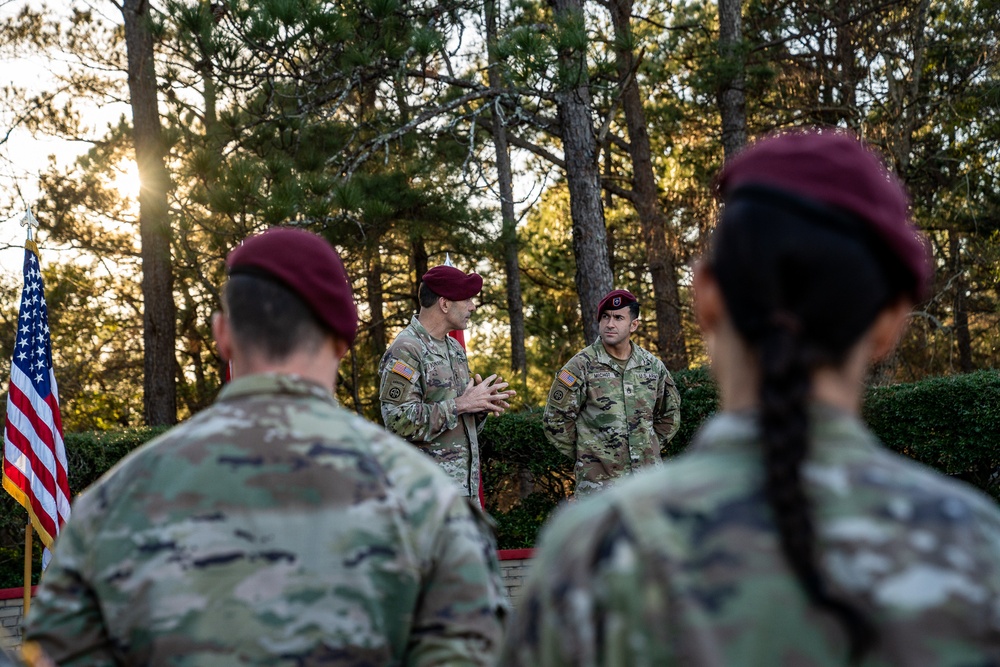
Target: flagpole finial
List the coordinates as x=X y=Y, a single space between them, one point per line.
x=447 y=259
x=30 y=222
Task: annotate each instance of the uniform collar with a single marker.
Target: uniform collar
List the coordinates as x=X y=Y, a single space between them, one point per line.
x=429 y=340
x=274 y=383
x=636 y=359
x=731 y=431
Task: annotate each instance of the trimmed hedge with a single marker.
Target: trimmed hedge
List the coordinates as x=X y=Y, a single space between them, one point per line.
x=950 y=423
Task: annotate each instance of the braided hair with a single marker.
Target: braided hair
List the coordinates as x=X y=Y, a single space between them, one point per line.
x=802 y=282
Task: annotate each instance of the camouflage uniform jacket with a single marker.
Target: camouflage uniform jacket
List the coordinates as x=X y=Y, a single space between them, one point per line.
x=420 y=379
x=609 y=421
x=681 y=565
x=278 y=529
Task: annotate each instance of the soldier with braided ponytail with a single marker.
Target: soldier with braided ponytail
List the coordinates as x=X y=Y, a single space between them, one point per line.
x=786 y=535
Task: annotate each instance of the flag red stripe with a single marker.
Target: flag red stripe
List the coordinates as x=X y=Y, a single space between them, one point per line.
x=42 y=429
x=31 y=435
x=21 y=482
x=38 y=469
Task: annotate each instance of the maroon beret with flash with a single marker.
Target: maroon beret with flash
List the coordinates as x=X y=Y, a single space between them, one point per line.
x=835 y=168
x=307 y=265
x=615 y=299
x=453 y=284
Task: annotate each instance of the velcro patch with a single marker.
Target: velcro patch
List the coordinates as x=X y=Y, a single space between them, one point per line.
x=567 y=378
x=399 y=368
x=394 y=389
x=603 y=375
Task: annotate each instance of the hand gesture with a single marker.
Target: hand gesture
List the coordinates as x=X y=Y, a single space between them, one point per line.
x=487 y=395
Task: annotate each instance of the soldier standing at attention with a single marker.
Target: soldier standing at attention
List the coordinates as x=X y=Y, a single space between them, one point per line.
x=427 y=394
x=274 y=528
x=785 y=534
x=613 y=407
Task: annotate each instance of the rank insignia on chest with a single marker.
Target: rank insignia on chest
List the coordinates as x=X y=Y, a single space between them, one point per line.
x=399 y=368
x=567 y=378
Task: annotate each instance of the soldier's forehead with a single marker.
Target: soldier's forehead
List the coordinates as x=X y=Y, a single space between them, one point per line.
x=624 y=310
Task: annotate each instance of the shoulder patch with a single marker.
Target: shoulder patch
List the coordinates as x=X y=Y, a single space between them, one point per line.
x=567 y=378
x=399 y=368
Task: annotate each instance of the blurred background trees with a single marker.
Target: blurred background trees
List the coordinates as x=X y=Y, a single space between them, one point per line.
x=557 y=148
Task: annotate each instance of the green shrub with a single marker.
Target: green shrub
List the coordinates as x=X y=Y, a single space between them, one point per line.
x=948 y=423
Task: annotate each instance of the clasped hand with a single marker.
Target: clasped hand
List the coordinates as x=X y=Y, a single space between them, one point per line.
x=487 y=395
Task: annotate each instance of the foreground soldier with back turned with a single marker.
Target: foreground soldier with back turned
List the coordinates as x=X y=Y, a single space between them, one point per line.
x=274 y=528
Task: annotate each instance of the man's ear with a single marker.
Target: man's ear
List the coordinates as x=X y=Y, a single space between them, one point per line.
x=633 y=325
x=222 y=332
x=709 y=307
x=340 y=347
x=888 y=328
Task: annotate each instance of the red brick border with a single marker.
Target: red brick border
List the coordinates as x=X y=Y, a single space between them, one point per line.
x=12 y=593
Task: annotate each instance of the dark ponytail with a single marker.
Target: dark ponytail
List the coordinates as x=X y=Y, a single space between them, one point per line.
x=784 y=425
x=802 y=283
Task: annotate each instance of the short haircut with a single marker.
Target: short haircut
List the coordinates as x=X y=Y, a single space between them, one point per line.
x=427 y=296
x=270 y=319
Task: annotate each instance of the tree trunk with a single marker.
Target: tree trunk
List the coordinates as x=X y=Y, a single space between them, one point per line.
x=659 y=256
x=732 y=92
x=375 y=302
x=963 y=338
x=593 y=270
x=159 y=325
x=419 y=257
x=508 y=229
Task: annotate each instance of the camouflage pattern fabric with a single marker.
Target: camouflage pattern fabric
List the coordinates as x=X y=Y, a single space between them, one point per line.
x=681 y=565
x=278 y=529
x=420 y=379
x=611 y=422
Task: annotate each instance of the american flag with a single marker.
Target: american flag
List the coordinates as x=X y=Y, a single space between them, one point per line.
x=34 y=458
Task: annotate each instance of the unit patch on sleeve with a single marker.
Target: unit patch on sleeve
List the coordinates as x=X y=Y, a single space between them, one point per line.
x=399 y=368
x=567 y=378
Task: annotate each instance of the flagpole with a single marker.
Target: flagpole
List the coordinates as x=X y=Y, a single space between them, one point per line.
x=28 y=222
x=27 y=568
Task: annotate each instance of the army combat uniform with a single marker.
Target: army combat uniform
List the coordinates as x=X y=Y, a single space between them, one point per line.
x=420 y=379
x=278 y=529
x=682 y=565
x=611 y=421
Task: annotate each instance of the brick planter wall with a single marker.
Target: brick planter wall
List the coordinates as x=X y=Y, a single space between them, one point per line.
x=11 y=611
x=514 y=567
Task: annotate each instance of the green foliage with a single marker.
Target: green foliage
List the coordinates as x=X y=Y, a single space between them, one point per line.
x=699 y=401
x=949 y=423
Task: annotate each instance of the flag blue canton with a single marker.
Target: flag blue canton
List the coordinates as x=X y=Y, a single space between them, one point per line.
x=33 y=348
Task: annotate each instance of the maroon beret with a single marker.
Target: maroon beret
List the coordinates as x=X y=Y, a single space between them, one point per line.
x=307 y=265
x=453 y=284
x=837 y=169
x=614 y=300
